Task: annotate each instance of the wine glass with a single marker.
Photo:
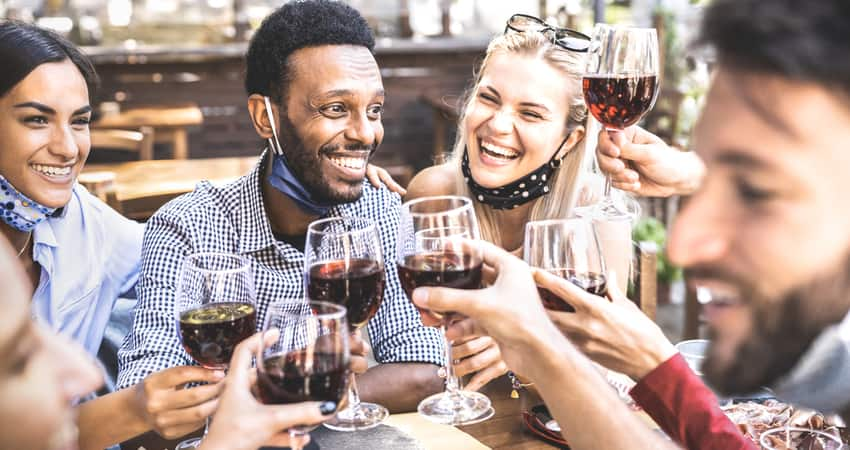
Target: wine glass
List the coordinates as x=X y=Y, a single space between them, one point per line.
x=621 y=79
x=215 y=310
x=435 y=249
x=344 y=265
x=568 y=248
x=305 y=357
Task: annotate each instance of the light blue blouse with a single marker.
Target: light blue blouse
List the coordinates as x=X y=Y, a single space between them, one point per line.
x=88 y=258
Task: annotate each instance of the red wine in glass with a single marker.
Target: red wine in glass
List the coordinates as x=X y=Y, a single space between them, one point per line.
x=592 y=283
x=211 y=332
x=619 y=101
x=287 y=378
x=357 y=284
x=452 y=270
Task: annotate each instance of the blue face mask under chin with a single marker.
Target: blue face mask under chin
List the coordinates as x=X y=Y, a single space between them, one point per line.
x=282 y=178
x=19 y=211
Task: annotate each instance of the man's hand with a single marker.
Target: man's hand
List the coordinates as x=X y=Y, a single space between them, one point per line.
x=640 y=162
x=242 y=422
x=377 y=174
x=359 y=349
x=613 y=333
x=161 y=401
x=478 y=355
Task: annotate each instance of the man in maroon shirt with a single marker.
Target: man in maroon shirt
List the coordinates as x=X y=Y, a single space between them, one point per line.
x=766 y=232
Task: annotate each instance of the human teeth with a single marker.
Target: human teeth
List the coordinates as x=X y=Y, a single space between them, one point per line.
x=348 y=162
x=51 y=170
x=499 y=151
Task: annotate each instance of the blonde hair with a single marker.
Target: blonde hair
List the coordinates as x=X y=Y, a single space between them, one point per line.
x=561 y=197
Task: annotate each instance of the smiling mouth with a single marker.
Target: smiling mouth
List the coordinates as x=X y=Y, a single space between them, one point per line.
x=498 y=152
x=52 y=171
x=357 y=162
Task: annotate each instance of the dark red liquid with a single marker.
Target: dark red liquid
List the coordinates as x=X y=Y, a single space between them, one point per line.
x=619 y=101
x=211 y=332
x=593 y=283
x=439 y=269
x=359 y=287
x=288 y=378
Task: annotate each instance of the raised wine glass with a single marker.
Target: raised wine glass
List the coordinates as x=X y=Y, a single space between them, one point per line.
x=434 y=249
x=215 y=311
x=621 y=79
x=568 y=248
x=344 y=265
x=305 y=357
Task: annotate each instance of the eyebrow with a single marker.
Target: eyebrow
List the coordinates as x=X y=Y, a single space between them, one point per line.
x=527 y=104
x=346 y=93
x=15 y=337
x=741 y=159
x=48 y=110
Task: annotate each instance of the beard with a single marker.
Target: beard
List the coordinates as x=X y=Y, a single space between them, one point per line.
x=782 y=330
x=307 y=167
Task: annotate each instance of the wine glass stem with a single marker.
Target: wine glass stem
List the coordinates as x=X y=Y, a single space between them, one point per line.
x=612 y=134
x=452 y=381
x=353 y=396
x=206 y=427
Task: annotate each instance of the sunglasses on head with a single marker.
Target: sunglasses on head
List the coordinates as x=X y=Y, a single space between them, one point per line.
x=562 y=37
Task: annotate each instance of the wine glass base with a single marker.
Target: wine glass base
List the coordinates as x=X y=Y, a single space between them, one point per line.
x=459 y=408
x=366 y=416
x=189 y=444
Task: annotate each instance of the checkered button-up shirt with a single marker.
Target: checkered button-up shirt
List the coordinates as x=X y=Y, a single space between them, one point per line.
x=232 y=219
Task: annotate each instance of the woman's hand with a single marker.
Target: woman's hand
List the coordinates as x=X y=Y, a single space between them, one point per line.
x=613 y=333
x=640 y=162
x=242 y=422
x=376 y=175
x=478 y=355
x=161 y=401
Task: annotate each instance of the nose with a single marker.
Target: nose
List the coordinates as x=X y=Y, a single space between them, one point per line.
x=76 y=372
x=361 y=129
x=700 y=234
x=502 y=121
x=63 y=144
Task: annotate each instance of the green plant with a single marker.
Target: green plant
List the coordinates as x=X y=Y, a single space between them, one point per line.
x=651 y=229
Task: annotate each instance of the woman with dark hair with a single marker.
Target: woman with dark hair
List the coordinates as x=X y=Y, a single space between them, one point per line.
x=78 y=254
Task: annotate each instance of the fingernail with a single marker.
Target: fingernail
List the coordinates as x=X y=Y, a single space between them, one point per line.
x=219 y=374
x=420 y=296
x=327 y=408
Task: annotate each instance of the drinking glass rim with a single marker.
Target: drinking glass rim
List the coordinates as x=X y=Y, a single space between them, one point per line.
x=340 y=311
x=706 y=342
x=776 y=430
x=370 y=225
x=548 y=222
x=466 y=204
x=245 y=268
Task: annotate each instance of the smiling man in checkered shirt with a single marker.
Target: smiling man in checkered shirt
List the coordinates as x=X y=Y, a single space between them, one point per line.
x=313 y=60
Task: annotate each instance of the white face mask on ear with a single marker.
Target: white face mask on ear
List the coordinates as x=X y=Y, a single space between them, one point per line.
x=274 y=142
x=821 y=378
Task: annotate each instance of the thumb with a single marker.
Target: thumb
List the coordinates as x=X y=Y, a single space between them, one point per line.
x=639 y=153
x=463 y=301
x=307 y=413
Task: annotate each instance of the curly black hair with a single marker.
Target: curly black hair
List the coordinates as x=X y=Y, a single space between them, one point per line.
x=296 y=25
x=23 y=47
x=804 y=41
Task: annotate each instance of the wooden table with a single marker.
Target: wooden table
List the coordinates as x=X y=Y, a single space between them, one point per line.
x=143 y=186
x=168 y=122
x=505 y=430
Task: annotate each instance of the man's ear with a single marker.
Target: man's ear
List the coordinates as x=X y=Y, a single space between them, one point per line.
x=260 y=117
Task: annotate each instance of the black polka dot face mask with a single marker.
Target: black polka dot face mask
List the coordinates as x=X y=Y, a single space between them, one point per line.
x=519 y=192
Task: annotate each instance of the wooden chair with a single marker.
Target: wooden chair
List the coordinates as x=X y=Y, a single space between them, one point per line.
x=102 y=186
x=140 y=141
x=646 y=292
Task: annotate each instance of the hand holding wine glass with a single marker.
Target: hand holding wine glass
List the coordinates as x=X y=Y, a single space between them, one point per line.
x=344 y=265
x=436 y=248
x=621 y=81
x=305 y=358
x=215 y=311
